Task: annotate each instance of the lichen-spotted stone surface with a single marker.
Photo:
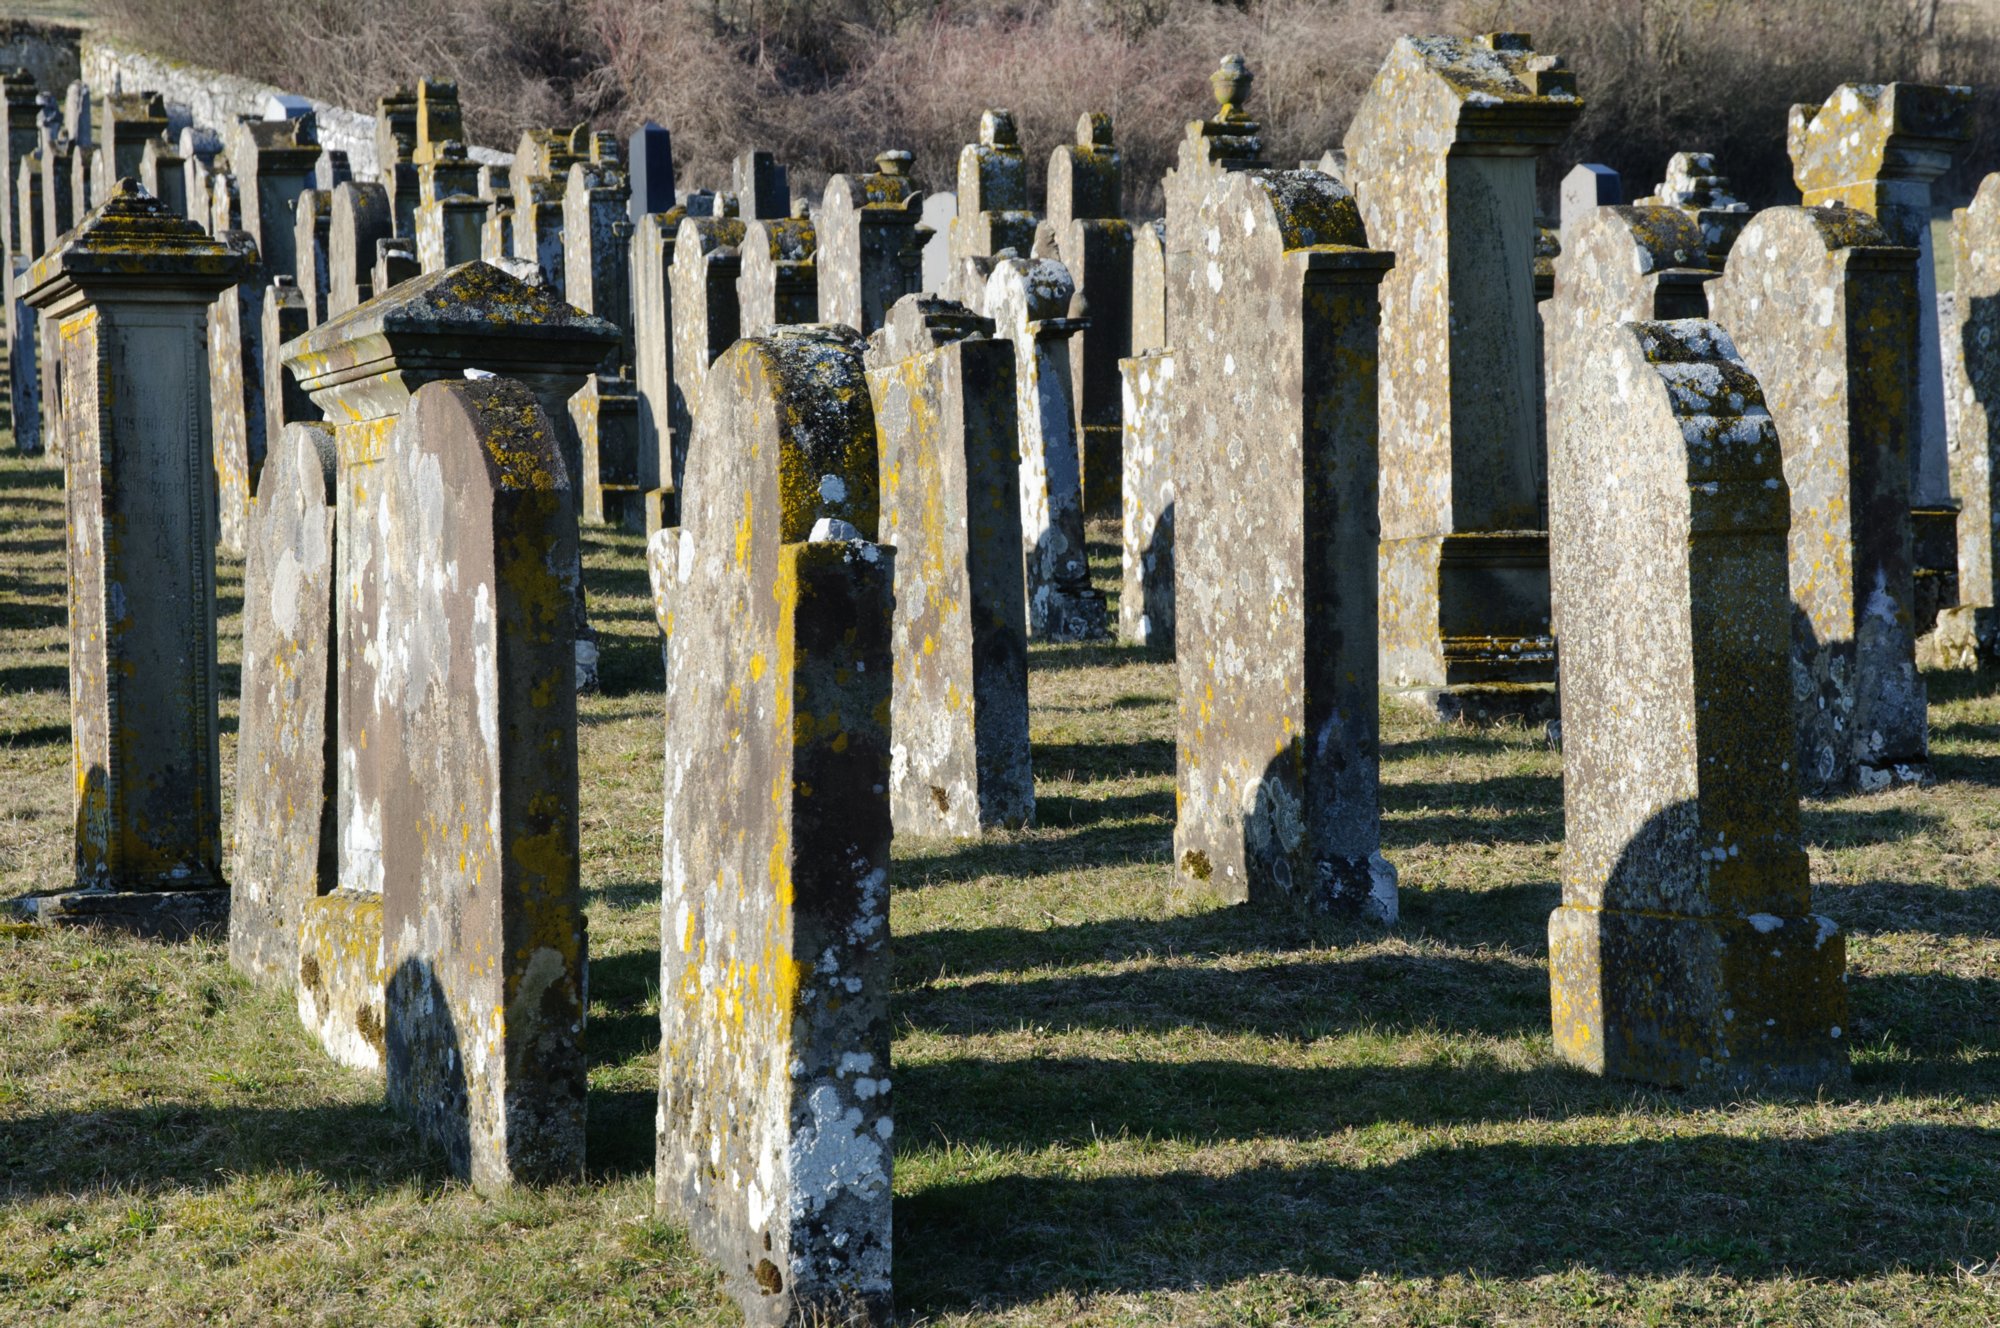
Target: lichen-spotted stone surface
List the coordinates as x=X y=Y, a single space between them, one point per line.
x=360 y=216
x=1823 y=310
x=1441 y=155
x=870 y=251
x=1686 y=950
x=1028 y=301
x=1972 y=393
x=1146 y=597
x=1274 y=416
x=774 y=1125
x=943 y=390
x=236 y=394
x=708 y=258
x=283 y=846
x=993 y=212
x=463 y=686
x=779 y=284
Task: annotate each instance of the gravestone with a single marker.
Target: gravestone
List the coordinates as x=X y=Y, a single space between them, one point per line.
x=1209 y=148
x=993 y=213
x=332 y=171
x=1586 y=188
x=25 y=334
x=1697 y=186
x=1971 y=631
x=273 y=162
x=395 y=263
x=708 y=259
x=936 y=217
x=1441 y=155
x=198 y=155
x=1620 y=264
x=284 y=845
x=361 y=369
x=361 y=218
x=779 y=283
x=1686 y=951
x=1085 y=230
x=1274 y=416
x=1823 y=309
x=18 y=141
x=451 y=217
x=1028 y=301
x=236 y=393
x=774 y=1121
x=870 y=243
x=128 y=120
x=57 y=192
x=286 y=316
x=1146 y=597
x=943 y=392
x=312 y=251
x=1877 y=147
x=650 y=158
x=164 y=174
x=538 y=180
x=127 y=292
x=597 y=249
x=85 y=190
x=1149 y=286
x=652 y=264
x=763 y=187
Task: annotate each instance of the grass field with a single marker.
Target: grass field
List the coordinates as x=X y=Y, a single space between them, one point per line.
x=1117 y=1102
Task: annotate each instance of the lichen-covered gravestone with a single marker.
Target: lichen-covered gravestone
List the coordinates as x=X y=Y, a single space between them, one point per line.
x=1029 y=300
x=126 y=294
x=870 y=243
x=944 y=412
x=1696 y=186
x=1146 y=597
x=1441 y=154
x=708 y=259
x=284 y=845
x=1209 y=149
x=779 y=284
x=1686 y=950
x=993 y=212
x=1877 y=147
x=1274 y=476
x=1619 y=264
x=775 y=1128
x=1823 y=308
x=1972 y=393
x=236 y=392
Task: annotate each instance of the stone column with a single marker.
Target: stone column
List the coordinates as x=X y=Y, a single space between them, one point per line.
x=1823 y=308
x=708 y=259
x=1876 y=147
x=127 y=292
x=1441 y=155
x=1686 y=950
x=870 y=243
x=775 y=1125
x=1972 y=395
x=1277 y=758
x=943 y=390
x=1029 y=301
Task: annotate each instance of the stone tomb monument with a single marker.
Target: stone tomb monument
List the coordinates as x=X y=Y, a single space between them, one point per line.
x=127 y=292
x=1277 y=758
x=1823 y=309
x=1441 y=154
x=943 y=390
x=775 y=1127
x=1686 y=950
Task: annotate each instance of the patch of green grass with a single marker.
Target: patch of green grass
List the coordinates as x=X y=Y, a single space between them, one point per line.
x=1118 y=1102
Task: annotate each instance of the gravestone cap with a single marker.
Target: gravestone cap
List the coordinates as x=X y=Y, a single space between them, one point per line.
x=286 y=106
x=132 y=243
x=1589 y=186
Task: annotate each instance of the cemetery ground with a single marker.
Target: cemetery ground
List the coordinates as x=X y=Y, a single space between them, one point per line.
x=1116 y=1101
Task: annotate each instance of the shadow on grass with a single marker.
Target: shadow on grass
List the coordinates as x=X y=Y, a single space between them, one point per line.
x=1511 y=809
x=1834 y=827
x=1087 y=761
x=36 y=736
x=1903 y=906
x=1037 y=853
x=1947 y=685
x=1106 y=653
x=624 y=1022
x=34 y=678
x=1834 y=1206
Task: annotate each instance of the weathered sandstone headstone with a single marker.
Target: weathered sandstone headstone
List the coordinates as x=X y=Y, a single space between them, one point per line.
x=538 y=180
x=1146 y=599
x=870 y=243
x=1149 y=286
x=273 y=162
x=1586 y=188
x=451 y=217
x=127 y=292
x=943 y=390
x=1823 y=308
x=284 y=845
x=312 y=250
x=285 y=316
x=1697 y=186
x=1686 y=950
x=1971 y=631
x=1441 y=156
x=361 y=218
x=774 y=1143
x=236 y=393
x=708 y=259
x=763 y=187
x=129 y=120
x=1028 y=301
x=993 y=213
x=654 y=235
x=164 y=175
x=1208 y=149
x=779 y=284
x=1274 y=420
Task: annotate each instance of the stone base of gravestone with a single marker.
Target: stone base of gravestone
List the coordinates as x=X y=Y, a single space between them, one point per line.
x=607 y=424
x=168 y=915
x=343 y=980
x=1965 y=637
x=1934 y=558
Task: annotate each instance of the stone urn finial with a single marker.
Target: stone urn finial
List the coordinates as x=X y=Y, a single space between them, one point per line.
x=1231 y=83
x=894 y=162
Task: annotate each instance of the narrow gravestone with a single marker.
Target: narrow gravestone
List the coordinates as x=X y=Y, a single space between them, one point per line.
x=1029 y=301
x=25 y=337
x=1146 y=597
x=1277 y=756
x=538 y=178
x=127 y=293
x=1877 y=147
x=1441 y=154
x=779 y=284
x=1086 y=231
x=650 y=155
x=1686 y=950
x=1149 y=287
x=1586 y=188
x=763 y=187
x=708 y=259
x=236 y=393
x=1823 y=309
x=943 y=390
x=164 y=174
x=1210 y=147
x=130 y=120
x=360 y=218
x=450 y=220
x=286 y=315
x=274 y=162
x=653 y=246
x=284 y=845
x=774 y=1122
x=993 y=213
x=395 y=263
x=1972 y=392
x=20 y=135
x=938 y=211
x=597 y=252
x=870 y=243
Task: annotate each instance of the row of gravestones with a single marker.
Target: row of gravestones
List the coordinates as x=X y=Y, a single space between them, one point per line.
x=852 y=537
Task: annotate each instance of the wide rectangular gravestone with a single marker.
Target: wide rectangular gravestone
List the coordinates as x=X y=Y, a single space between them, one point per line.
x=274 y=162
x=284 y=850
x=236 y=394
x=127 y=293
x=1146 y=597
x=1971 y=631
x=870 y=243
x=1686 y=950
x=1085 y=230
x=1441 y=154
x=1274 y=417
x=708 y=260
x=1823 y=308
x=774 y=1122
x=943 y=391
